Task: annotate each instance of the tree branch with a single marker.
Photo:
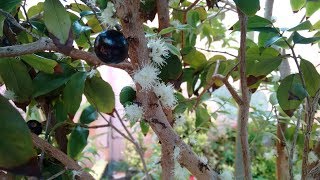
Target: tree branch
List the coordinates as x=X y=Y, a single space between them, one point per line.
x=60 y=156
x=128 y=13
x=163 y=15
x=242 y=145
x=46 y=44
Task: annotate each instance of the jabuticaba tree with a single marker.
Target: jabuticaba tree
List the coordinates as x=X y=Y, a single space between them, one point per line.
x=49 y=57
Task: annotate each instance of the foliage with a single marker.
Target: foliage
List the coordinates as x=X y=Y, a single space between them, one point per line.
x=49 y=85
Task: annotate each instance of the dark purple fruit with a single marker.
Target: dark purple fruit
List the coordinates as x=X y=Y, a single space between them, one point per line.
x=35 y=126
x=111 y=47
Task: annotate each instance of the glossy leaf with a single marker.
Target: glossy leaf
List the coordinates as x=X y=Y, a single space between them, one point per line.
x=248 y=7
x=311 y=77
x=72 y=93
x=35 y=10
x=306 y=25
x=195 y=59
x=311 y=7
x=254 y=22
x=78 y=28
x=174 y=50
x=203 y=119
x=77 y=141
x=61 y=113
x=88 y=115
x=290 y=94
x=100 y=94
x=296 y=5
x=40 y=63
x=298 y=39
x=193 y=18
x=57 y=20
x=16 y=77
x=172 y=70
x=9 y=4
x=273 y=40
x=16 y=147
x=51 y=81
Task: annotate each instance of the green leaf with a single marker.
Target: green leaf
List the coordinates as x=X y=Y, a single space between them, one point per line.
x=88 y=115
x=203 y=118
x=57 y=20
x=173 y=49
x=306 y=25
x=311 y=7
x=166 y=30
x=16 y=147
x=51 y=81
x=298 y=39
x=296 y=5
x=41 y=63
x=249 y=7
x=127 y=95
x=35 y=10
x=9 y=4
x=202 y=13
x=193 y=18
x=60 y=111
x=290 y=94
x=195 y=59
x=311 y=77
x=100 y=94
x=72 y=93
x=78 y=28
x=172 y=70
x=272 y=41
x=144 y=127
x=16 y=77
x=77 y=141
x=316 y=26
x=254 y=22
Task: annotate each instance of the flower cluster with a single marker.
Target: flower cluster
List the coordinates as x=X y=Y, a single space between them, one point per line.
x=107 y=15
x=165 y=94
x=147 y=77
x=133 y=112
x=159 y=51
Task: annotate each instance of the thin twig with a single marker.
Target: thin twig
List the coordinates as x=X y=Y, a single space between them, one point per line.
x=56 y=175
x=60 y=156
x=15 y=23
x=215 y=51
x=136 y=144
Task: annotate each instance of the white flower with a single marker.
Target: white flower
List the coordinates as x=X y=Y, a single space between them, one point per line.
x=9 y=95
x=180 y=173
x=312 y=157
x=270 y=155
x=179 y=119
x=159 y=51
x=166 y=95
x=147 y=77
x=133 y=112
x=203 y=159
x=226 y=175
x=176 y=153
x=107 y=15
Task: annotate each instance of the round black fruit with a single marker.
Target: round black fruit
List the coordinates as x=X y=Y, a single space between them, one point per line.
x=111 y=47
x=35 y=126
